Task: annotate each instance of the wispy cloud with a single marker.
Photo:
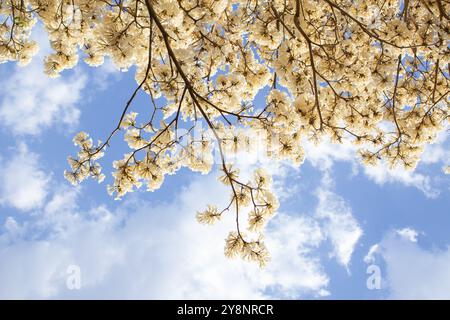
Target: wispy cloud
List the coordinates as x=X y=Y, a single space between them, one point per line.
x=408 y=234
x=339 y=225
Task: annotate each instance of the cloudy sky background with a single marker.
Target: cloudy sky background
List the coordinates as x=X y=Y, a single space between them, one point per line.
x=336 y=218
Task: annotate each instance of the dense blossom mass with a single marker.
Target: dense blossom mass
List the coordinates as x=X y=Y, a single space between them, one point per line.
x=375 y=72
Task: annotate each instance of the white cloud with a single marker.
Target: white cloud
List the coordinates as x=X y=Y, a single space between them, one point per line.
x=413 y=272
x=333 y=214
x=145 y=251
x=293 y=241
x=23 y=184
x=30 y=101
x=439 y=151
x=381 y=174
x=338 y=222
x=370 y=256
x=324 y=155
x=408 y=234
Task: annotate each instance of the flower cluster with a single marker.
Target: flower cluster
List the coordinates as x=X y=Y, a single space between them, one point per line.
x=85 y=164
x=260 y=204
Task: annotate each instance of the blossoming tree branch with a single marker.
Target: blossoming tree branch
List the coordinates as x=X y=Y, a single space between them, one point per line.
x=373 y=72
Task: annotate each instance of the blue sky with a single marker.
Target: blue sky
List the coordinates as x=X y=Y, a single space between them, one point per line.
x=335 y=220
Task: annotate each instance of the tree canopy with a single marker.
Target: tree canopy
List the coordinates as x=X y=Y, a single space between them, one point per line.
x=372 y=72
